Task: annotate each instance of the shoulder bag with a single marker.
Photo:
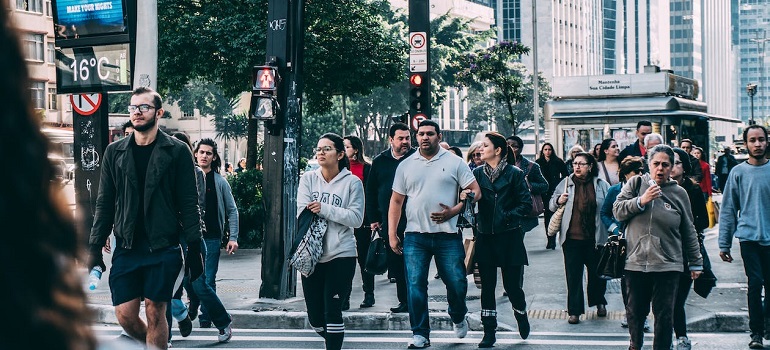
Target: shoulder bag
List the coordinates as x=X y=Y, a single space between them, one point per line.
x=537 y=200
x=612 y=261
x=310 y=248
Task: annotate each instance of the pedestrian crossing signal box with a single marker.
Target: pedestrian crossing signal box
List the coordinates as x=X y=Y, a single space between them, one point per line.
x=419 y=95
x=264 y=99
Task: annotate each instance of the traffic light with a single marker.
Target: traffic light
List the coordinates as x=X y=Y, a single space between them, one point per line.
x=419 y=94
x=264 y=100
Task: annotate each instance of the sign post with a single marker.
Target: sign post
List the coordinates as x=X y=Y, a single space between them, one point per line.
x=90 y=115
x=419 y=59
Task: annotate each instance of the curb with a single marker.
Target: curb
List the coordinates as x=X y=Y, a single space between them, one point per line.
x=717 y=322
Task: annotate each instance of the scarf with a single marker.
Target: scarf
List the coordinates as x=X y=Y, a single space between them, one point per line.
x=583 y=221
x=493 y=174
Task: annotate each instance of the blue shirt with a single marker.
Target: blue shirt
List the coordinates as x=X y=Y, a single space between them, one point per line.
x=743 y=213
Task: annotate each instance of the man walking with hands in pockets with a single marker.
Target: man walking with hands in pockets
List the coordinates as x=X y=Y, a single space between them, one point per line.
x=431 y=180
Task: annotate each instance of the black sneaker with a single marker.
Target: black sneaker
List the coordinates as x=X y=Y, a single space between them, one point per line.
x=192 y=310
x=756 y=342
x=346 y=305
x=368 y=300
x=185 y=326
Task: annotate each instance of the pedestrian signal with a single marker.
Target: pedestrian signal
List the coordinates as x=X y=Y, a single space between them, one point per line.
x=265 y=78
x=419 y=95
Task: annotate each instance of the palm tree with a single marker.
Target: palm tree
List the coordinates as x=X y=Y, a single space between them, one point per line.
x=231 y=126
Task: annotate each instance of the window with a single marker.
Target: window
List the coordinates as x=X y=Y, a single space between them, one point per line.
x=34 y=45
x=48 y=8
x=30 y=5
x=51 y=54
x=52 y=98
x=38 y=94
x=187 y=115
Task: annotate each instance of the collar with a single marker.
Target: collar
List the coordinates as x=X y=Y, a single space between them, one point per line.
x=441 y=152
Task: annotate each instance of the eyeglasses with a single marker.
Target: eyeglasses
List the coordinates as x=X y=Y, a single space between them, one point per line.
x=579 y=164
x=477 y=155
x=142 y=108
x=324 y=149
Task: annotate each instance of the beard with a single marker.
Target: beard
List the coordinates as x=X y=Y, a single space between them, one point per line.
x=150 y=124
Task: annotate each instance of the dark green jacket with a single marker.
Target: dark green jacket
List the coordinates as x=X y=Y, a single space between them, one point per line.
x=170 y=195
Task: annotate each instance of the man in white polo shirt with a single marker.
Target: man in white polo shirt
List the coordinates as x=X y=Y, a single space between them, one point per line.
x=431 y=180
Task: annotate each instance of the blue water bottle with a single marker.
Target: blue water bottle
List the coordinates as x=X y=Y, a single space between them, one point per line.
x=94 y=277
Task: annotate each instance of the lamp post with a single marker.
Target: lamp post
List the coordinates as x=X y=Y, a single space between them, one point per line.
x=751 y=89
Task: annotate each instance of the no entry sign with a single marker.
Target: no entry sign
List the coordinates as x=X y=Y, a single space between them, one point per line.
x=86 y=104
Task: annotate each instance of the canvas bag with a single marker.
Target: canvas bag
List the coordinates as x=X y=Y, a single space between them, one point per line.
x=310 y=248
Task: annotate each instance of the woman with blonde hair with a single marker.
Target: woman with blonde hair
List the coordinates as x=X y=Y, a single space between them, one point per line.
x=571 y=156
x=474 y=157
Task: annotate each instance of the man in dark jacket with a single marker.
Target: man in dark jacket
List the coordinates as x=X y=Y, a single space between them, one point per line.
x=148 y=198
x=697 y=174
x=379 y=187
x=538 y=185
x=643 y=128
x=725 y=163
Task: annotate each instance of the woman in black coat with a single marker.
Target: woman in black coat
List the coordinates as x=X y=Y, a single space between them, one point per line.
x=504 y=202
x=554 y=170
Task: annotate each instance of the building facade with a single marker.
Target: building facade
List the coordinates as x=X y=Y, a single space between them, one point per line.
x=752 y=28
x=34 y=20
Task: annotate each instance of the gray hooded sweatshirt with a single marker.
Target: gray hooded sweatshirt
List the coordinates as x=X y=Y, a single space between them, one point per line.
x=342 y=205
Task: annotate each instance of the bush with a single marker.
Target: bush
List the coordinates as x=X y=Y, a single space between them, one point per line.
x=247 y=191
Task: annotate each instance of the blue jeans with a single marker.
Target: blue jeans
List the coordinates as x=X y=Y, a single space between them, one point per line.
x=212 y=252
x=449 y=254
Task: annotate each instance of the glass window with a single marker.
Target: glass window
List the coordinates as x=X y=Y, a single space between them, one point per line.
x=52 y=98
x=51 y=54
x=48 y=8
x=38 y=94
x=30 y=5
x=34 y=45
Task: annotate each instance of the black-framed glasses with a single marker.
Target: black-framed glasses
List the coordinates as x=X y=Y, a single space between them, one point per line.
x=142 y=108
x=477 y=155
x=324 y=149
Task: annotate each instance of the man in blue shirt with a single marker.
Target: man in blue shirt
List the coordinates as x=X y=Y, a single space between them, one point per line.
x=747 y=189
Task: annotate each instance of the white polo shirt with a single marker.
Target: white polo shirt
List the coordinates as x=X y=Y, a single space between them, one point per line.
x=428 y=183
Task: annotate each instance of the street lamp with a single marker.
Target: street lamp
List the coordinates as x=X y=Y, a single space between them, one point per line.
x=751 y=89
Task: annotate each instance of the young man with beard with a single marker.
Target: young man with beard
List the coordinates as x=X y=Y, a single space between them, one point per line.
x=746 y=191
x=643 y=128
x=379 y=187
x=430 y=181
x=148 y=199
x=219 y=203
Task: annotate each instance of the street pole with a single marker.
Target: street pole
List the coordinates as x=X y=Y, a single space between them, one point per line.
x=535 y=79
x=281 y=172
x=146 y=59
x=751 y=90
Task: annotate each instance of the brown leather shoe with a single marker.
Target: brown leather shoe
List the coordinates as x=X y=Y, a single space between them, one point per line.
x=601 y=310
x=573 y=319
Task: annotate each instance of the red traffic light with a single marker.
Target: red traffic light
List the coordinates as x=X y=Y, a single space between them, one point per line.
x=415 y=80
x=265 y=78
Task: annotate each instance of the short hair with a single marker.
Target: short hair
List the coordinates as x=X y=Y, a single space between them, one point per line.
x=516 y=139
x=395 y=127
x=658 y=149
x=643 y=123
x=184 y=138
x=629 y=165
x=591 y=162
x=456 y=150
x=685 y=140
x=156 y=99
x=127 y=125
x=685 y=159
x=652 y=136
x=750 y=127
x=428 y=122
x=472 y=149
x=574 y=148
x=216 y=163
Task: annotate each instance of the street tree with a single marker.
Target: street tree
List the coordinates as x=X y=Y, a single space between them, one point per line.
x=495 y=66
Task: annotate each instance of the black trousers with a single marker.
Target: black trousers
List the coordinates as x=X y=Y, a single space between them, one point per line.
x=756 y=262
x=363 y=241
x=325 y=290
x=660 y=289
x=511 y=285
x=397 y=269
x=680 y=318
x=577 y=255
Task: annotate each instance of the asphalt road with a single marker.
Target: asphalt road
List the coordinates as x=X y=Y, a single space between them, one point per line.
x=362 y=339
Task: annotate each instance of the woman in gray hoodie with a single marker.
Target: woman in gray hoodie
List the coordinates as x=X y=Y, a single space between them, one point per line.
x=335 y=194
x=659 y=236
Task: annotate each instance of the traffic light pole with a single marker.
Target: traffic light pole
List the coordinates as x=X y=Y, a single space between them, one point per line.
x=420 y=106
x=282 y=138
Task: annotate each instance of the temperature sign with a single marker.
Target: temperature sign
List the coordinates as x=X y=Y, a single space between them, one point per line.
x=93 y=69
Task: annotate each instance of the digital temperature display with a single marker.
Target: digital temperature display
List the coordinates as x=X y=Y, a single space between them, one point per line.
x=93 y=69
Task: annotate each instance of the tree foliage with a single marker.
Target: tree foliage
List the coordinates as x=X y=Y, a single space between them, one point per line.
x=495 y=66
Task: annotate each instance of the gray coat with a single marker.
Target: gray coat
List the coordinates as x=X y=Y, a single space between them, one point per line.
x=600 y=187
x=226 y=206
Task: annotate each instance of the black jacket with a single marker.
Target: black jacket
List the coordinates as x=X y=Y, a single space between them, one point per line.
x=504 y=202
x=630 y=150
x=170 y=195
x=731 y=163
x=554 y=171
x=379 y=188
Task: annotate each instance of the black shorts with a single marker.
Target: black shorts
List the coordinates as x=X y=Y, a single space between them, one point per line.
x=153 y=275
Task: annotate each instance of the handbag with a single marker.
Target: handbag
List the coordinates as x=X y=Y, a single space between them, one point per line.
x=377 y=255
x=310 y=248
x=612 y=261
x=554 y=226
x=470 y=251
x=537 y=200
x=711 y=209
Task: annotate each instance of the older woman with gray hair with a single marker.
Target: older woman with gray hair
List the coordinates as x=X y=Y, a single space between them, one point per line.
x=659 y=235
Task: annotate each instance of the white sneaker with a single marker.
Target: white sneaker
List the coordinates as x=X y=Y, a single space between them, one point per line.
x=624 y=323
x=461 y=329
x=419 y=342
x=682 y=343
x=647 y=327
x=225 y=334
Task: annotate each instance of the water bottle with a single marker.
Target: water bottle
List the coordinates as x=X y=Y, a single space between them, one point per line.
x=94 y=277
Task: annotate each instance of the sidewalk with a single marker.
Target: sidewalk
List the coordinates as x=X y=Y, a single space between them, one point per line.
x=238 y=282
